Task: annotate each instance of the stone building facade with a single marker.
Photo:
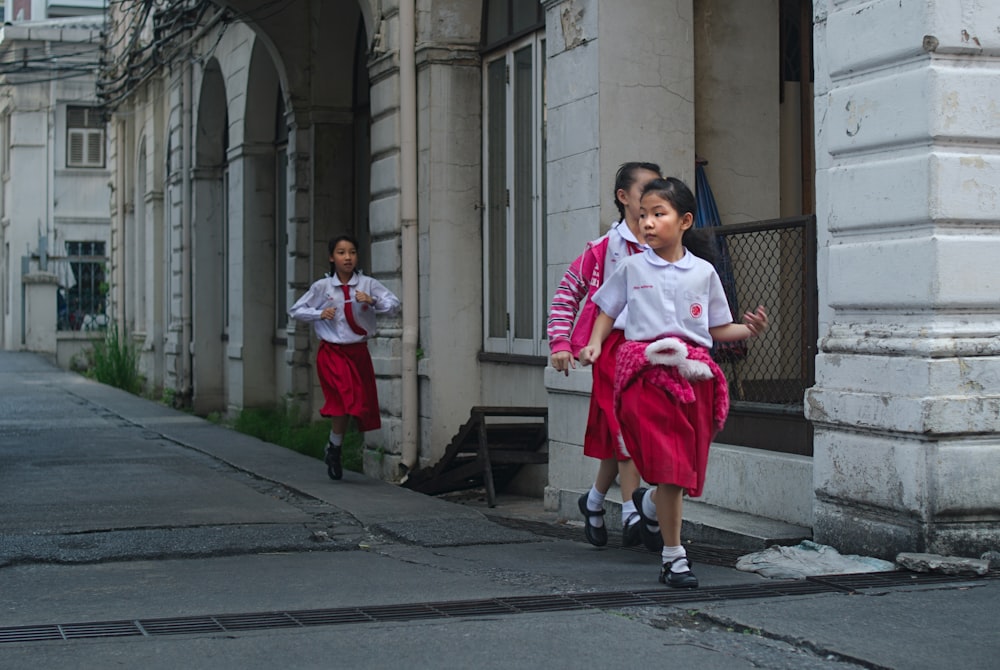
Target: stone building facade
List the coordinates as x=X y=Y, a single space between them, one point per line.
x=471 y=147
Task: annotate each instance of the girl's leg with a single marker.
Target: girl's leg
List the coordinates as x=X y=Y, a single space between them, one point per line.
x=591 y=504
x=338 y=426
x=606 y=473
x=676 y=570
x=628 y=480
x=669 y=511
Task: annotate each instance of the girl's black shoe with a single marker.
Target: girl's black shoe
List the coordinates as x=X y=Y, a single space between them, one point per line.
x=651 y=538
x=596 y=535
x=678 y=580
x=332 y=460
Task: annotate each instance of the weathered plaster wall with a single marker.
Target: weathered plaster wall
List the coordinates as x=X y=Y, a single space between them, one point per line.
x=908 y=378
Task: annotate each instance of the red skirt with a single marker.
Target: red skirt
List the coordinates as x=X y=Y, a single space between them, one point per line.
x=348 y=380
x=601 y=439
x=668 y=440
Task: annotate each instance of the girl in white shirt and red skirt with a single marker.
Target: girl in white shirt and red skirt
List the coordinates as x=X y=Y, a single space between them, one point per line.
x=342 y=308
x=670 y=396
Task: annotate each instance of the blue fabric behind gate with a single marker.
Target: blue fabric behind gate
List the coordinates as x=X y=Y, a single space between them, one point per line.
x=707 y=216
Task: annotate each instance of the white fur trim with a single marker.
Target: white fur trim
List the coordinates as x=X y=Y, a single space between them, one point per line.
x=673 y=352
x=668 y=351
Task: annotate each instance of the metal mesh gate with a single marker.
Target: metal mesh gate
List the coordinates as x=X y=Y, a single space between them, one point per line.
x=773 y=263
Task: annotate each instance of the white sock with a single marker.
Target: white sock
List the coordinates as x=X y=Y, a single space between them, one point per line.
x=595 y=503
x=679 y=557
x=649 y=509
x=629 y=515
x=336 y=440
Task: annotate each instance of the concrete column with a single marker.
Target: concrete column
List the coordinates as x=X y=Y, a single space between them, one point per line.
x=907 y=398
x=299 y=266
x=40 y=311
x=251 y=286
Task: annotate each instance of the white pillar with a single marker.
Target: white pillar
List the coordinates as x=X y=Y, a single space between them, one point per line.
x=907 y=398
x=40 y=311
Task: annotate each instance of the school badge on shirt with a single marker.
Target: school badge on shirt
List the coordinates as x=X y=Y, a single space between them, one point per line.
x=695 y=310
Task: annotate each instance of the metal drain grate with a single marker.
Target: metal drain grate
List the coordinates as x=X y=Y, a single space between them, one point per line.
x=469 y=608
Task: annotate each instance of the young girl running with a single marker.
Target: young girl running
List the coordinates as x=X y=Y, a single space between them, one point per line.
x=582 y=279
x=342 y=308
x=670 y=396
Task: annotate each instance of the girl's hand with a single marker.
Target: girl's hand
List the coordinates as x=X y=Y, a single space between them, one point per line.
x=756 y=321
x=328 y=313
x=562 y=361
x=361 y=296
x=590 y=353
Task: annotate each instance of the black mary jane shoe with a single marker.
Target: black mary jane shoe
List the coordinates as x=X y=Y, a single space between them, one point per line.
x=652 y=539
x=332 y=460
x=678 y=580
x=596 y=535
x=632 y=533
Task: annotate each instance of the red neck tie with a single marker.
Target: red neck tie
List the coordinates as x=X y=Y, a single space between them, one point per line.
x=349 y=312
x=633 y=248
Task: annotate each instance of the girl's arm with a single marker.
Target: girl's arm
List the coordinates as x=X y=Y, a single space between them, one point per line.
x=382 y=299
x=603 y=326
x=310 y=306
x=754 y=323
x=566 y=303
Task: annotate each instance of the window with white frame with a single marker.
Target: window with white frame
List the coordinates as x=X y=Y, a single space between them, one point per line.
x=84 y=137
x=514 y=178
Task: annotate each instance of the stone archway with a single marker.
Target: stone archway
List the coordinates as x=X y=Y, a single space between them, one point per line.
x=210 y=278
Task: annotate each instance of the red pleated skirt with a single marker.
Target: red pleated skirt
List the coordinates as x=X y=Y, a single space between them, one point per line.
x=601 y=439
x=348 y=380
x=668 y=440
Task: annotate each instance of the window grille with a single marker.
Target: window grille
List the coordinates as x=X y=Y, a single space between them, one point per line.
x=82 y=297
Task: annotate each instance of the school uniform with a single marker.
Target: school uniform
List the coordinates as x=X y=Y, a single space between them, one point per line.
x=585 y=275
x=670 y=397
x=343 y=363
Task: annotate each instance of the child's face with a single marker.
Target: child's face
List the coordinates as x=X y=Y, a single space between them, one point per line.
x=630 y=198
x=662 y=227
x=344 y=257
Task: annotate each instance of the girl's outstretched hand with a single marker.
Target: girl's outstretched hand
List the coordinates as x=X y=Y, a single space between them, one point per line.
x=589 y=354
x=755 y=321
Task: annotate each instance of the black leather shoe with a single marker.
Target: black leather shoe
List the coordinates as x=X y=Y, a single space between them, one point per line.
x=631 y=534
x=651 y=538
x=597 y=536
x=332 y=460
x=678 y=580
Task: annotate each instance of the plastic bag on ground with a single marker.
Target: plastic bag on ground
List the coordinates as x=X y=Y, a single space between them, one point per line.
x=808 y=559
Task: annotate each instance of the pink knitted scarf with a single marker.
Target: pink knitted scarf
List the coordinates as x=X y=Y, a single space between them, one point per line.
x=685 y=361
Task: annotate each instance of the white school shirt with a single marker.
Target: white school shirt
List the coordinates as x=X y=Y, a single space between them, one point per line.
x=682 y=299
x=326 y=292
x=619 y=237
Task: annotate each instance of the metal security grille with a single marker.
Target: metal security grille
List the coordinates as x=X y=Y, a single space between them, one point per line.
x=83 y=291
x=771 y=263
x=466 y=608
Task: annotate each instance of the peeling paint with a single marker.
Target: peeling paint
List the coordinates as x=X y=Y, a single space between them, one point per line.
x=572 y=30
x=972 y=161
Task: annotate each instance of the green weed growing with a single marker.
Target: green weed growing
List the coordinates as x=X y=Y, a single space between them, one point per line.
x=284 y=427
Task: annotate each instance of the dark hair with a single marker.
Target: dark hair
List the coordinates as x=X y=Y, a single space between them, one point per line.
x=698 y=241
x=333 y=245
x=625 y=177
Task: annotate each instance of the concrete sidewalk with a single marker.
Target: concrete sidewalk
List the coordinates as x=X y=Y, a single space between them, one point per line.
x=137 y=535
